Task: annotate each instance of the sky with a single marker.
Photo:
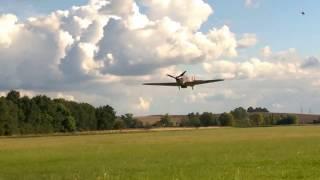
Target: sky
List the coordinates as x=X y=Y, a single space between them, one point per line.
x=101 y=51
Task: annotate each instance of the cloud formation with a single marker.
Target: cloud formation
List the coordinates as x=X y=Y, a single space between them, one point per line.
x=251 y=3
x=107 y=38
x=101 y=52
x=247 y=40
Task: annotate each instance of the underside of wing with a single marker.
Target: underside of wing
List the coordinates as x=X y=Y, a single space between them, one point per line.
x=197 y=82
x=162 y=84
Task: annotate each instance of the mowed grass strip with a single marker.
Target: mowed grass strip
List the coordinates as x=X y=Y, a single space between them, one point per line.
x=225 y=153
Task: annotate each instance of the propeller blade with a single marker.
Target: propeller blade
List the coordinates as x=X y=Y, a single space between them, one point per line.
x=182 y=74
x=171 y=76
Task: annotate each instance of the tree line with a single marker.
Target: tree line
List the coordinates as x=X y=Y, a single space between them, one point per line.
x=42 y=115
x=238 y=117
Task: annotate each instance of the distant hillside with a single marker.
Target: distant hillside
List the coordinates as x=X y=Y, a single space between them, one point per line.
x=303 y=118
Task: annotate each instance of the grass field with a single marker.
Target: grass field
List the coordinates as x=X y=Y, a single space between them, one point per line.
x=225 y=153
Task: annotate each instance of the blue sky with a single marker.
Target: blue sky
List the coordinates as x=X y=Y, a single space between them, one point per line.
x=95 y=51
x=276 y=23
x=24 y=8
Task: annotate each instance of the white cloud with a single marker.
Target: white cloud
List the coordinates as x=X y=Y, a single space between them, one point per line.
x=64 y=96
x=247 y=40
x=106 y=39
x=190 y=13
x=103 y=51
x=251 y=3
x=195 y=98
x=3 y=94
x=7 y=30
x=266 y=51
x=253 y=68
x=144 y=104
x=277 y=106
x=281 y=65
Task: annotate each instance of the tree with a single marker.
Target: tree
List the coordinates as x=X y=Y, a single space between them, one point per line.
x=13 y=96
x=119 y=124
x=106 y=117
x=69 y=124
x=63 y=120
x=130 y=122
x=288 y=119
x=258 y=109
x=256 y=119
x=241 y=118
x=194 y=120
x=250 y=109
x=226 y=119
x=41 y=114
x=240 y=113
x=207 y=119
x=165 y=121
x=9 y=113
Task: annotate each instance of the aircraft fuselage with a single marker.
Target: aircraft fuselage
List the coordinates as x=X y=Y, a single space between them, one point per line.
x=183 y=81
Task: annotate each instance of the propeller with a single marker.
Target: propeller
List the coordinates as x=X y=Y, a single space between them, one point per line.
x=171 y=76
x=176 y=77
x=182 y=74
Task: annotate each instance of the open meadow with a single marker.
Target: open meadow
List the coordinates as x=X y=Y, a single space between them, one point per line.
x=222 y=153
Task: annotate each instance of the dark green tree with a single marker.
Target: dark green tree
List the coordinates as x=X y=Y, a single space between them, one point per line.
x=194 y=120
x=130 y=121
x=9 y=114
x=226 y=119
x=13 y=96
x=69 y=124
x=207 y=119
x=239 y=113
x=256 y=119
x=241 y=117
x=166 y=121
x=106 y=117
x=119 y=124
x=288 y=119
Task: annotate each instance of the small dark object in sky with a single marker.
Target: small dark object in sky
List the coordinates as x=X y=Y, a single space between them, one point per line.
x=303 y=13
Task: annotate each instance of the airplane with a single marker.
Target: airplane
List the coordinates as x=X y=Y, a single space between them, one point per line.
x=183 y=81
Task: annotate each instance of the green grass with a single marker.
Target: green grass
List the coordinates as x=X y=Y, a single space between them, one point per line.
x=227 y=153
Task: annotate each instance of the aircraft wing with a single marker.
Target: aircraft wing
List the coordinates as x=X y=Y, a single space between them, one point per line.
x=197 y=82
x=162 y=84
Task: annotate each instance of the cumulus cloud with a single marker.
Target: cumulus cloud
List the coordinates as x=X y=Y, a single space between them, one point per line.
x=144 y=104
x=253 y=68
x=3 y=94
x=190 y=13
x=266 y=51
x=196 y=98
x=64 y=96
x=101 y=52
x=107 y=38
x=247 y=40
x=311 y=62
x=7 y=23
x=281 y=65
x=251 y=3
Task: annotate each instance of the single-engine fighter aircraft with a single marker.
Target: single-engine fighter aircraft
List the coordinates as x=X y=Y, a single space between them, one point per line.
x=183 y=81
